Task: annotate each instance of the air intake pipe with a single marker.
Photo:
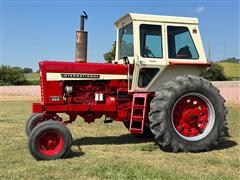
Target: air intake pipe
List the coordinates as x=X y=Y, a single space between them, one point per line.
x=81 y=41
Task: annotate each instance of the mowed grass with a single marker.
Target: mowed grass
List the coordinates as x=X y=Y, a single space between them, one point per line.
x=107 y=151
x=32 y=76
x=231 y=70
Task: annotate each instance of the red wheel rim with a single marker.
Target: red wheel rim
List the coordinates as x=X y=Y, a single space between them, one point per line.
x=190 y=115
x=50 y=143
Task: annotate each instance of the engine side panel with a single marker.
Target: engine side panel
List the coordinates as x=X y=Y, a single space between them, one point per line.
x=88 y=90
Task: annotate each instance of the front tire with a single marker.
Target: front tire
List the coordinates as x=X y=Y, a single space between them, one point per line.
x=187 y=114
x=33 y=120
x=50 y=140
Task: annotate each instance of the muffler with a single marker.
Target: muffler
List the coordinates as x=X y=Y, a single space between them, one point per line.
x=81 y=41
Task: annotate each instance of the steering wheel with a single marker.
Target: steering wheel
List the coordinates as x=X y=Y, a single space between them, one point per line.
x=148 y=53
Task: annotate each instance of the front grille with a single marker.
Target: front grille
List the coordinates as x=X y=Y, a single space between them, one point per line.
x=41 y=85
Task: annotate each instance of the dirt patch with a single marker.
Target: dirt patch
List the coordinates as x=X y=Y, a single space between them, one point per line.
x=20 y=90
x=20 y=93
x=230 y=90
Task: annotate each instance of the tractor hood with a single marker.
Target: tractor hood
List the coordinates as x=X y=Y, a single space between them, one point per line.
x=74 y=71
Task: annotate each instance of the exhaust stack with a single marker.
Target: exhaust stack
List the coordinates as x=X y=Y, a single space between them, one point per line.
x=81 y=41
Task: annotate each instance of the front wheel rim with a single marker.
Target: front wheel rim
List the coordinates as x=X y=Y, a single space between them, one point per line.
x=193 y=116
x=50 y=143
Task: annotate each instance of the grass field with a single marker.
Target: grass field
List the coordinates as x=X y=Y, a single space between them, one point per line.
x=32 y=76
x=107 y=151
x=231 y=70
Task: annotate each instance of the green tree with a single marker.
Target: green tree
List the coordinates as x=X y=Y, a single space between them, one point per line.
x=16 y=67
x=27 y=70
x=110 y=55
x=11 y=75
x=215 y=73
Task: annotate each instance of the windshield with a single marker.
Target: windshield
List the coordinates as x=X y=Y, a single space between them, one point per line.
x=126 y=41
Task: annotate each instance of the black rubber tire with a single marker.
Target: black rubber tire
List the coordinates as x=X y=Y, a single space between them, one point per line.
x=46 y=126
x=147 y=133
x=161 y=109
x=32 y=121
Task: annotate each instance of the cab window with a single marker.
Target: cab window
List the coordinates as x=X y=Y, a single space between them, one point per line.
x=146 y=75
x=151 y=41
x=180 y=43
x=126 y=41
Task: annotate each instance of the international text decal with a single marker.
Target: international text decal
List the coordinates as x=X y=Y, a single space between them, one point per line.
x=80 y=76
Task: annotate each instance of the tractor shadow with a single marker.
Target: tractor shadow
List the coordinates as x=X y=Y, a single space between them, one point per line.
x=74 y=154
x=225 y=144
x=115 y=140
x=132 y=139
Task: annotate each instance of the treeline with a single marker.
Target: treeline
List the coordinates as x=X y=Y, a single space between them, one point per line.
x=15 y=76
x=231 y=60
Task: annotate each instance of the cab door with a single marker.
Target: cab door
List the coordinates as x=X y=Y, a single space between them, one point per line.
x=149 y=54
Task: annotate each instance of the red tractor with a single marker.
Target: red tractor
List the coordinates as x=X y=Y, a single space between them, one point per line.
x=152 y=86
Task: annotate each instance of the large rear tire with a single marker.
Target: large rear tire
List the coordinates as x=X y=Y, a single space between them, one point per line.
x=50 y=140
x=187 y=114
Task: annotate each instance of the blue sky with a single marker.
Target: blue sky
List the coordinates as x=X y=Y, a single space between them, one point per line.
x=35 y=30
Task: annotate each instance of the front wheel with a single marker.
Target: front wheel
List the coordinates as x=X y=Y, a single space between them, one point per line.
x=50 y=140
x=187 y=114
x=32 y=121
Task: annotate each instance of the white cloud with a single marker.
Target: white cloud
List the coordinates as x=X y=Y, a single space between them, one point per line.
x=199 y=9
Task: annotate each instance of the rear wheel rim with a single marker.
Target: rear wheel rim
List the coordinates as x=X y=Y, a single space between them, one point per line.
x=50 y=143
x=193 y=116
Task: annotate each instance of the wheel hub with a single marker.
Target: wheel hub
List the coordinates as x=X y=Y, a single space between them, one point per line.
x=50 y=143
x=190 y=117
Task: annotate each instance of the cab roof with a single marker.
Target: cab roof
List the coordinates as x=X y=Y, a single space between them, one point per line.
x=154 y=18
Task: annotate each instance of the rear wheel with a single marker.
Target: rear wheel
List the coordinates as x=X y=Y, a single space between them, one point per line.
x=50 y=140
x=187 y=114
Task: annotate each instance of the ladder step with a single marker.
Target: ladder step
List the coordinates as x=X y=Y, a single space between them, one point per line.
x=138 y=106
x=140 y=95
x=137 y=118
x=138 y=113
x=136 y=131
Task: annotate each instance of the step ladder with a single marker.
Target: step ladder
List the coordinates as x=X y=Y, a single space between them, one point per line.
x=138 y=113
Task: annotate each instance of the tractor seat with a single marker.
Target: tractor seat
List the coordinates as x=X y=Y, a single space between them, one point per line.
x=184 y=53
